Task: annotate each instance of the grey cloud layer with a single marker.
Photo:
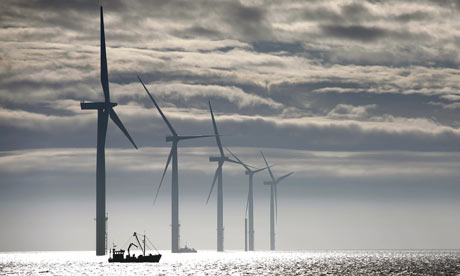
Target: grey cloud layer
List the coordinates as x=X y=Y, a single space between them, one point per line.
x=316 y=164
x=329 y=75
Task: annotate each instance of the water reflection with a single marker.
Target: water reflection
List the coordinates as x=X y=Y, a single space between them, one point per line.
x=240 y=263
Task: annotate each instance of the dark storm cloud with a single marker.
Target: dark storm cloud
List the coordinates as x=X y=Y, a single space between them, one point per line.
x=369 y=34
x=71 y=15
x=355 y=32
x=413 y=16
x=85 y=6
x=357 y=12
x=353 y=12
x=250 y=21
x=233 y=18
x=371 y=167
x=351 y=21
x=280 y=47
x=199 y=31
x=446 y=4
x=223 y=19
x=321 y=14
x=339 y=131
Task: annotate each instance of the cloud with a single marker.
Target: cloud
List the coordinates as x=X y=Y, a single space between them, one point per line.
x=186 y=92
x=454 y=105
x=312 y=164
x=346 y=66
x=413 y=16
x=367 y=33
x=251 y=22
x=354 y=32
x=30 y=120
x=350 y=112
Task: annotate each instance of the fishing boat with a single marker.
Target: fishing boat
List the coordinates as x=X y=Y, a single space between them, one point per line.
x=118 y=256
x=187 y=249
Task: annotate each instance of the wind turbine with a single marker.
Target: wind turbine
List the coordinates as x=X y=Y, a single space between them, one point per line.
x=273 y=201
x=174 y=138
x=104 y=111
x=250 y=202
x=218 y=175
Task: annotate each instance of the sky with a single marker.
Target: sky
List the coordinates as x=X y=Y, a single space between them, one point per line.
x=359 y=98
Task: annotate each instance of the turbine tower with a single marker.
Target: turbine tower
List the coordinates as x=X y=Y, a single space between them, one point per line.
x=273 y=201
x=104 y=111
x=250 y=202
x=218 y=176
x=174 y=138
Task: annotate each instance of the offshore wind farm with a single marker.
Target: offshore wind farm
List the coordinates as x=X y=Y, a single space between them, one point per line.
x=105 y=110
x=336 y=122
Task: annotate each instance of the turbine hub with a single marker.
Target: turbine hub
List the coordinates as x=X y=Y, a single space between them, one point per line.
x=96 y=105
x=171 y=138
x=215 y=158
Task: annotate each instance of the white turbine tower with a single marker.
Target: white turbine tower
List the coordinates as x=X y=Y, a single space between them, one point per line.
x=273 y=201
x=174 y=138
x=104 y=110
x=250 y=202
x=218 y=176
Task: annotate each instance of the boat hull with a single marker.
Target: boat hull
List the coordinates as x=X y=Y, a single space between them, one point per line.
x=139 y=259
x=187 y=250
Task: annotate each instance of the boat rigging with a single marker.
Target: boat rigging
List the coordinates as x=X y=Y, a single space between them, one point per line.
x=119 y=255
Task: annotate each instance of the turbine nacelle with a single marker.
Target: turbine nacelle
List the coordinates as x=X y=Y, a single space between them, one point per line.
x=215 y=158
x=269 y=182
x=221 y=159
x=177 y=138
x=97 y=105
x=172 y=138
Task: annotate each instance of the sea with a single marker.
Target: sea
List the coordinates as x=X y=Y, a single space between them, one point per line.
x=384 y=262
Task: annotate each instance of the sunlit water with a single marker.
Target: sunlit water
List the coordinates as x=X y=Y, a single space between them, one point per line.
x=239 y=263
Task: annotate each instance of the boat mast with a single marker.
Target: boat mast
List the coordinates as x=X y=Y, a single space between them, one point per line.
x=142 y=248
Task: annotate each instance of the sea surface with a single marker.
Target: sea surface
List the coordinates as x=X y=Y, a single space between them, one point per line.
x=385 y=262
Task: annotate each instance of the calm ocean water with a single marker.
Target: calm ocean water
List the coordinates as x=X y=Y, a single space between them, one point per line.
x=239 y=263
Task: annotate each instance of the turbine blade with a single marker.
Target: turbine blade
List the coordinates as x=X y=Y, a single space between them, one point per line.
x=117 y=121
x=163 y=176
x=216 y=132
x=283 y=177
x=173 y=131
x=241 y=162
x=194 y=137
x=261 y=169
x=250 y=166
x=268 y=167
x=231 y=160
x=104 y=71
x=213 y=183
